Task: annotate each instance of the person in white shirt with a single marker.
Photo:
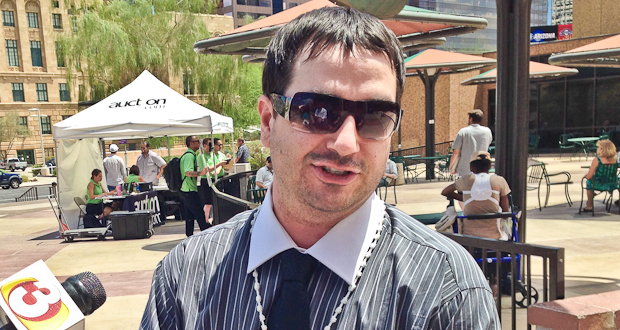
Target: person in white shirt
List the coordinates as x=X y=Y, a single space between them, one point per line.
x=264 y=176
x=151 y=164
x=114 y=166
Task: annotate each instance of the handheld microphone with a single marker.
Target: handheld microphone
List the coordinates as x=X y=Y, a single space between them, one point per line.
x=33 y=299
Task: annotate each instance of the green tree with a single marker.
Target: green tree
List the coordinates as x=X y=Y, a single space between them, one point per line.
x=112 y=42
x=11 y=131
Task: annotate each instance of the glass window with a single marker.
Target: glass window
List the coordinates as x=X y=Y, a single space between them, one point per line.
x=46 y=126
x=18 y=92
x=11 y=52
x=607 y=100
x=60 y=56
x=8 y=18
x=57 y=21
x=64 y=92
x=65 y=117
x=579 y=112
x=35 y=53
x=55 y=3
x=23 y=120
x=33 y=20
x=551 y=105
x=42 y=92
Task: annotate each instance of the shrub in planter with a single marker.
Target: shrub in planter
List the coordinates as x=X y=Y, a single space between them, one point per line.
x=36 y=169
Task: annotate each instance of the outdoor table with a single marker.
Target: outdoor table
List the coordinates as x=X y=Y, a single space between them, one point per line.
x=430 y=163
x=582 y=142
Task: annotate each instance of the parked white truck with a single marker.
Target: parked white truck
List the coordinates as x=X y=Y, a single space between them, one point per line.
x=14 y=163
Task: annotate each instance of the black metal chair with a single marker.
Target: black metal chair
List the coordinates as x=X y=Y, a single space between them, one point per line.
x=566 y=145
x=607 y=183
x=550 y=183
x=535 y=174
x=385 y=183
x=408 y=169
x=534 y=141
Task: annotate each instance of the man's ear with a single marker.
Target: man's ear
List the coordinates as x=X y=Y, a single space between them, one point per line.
x=265 y=110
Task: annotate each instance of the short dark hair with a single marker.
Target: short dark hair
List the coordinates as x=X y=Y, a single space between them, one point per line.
x=240 y=139
x=324 y=28
x=134 y=169
x=480 y=165
x=94 y=173
x=475 y=115
x=269 y=159
x=188 y=140
x=215 y=141
x=148 y=145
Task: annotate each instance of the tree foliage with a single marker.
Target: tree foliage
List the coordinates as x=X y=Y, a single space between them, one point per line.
x=11 y=131
x=114 y=41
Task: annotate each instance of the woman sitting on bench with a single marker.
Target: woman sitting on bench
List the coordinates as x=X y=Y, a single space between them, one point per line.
x=482 y=193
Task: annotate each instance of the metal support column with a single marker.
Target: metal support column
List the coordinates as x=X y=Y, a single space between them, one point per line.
x=429 y=81
x=512 y=110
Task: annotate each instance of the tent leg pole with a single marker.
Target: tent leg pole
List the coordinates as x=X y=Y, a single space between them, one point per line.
x=168 y=144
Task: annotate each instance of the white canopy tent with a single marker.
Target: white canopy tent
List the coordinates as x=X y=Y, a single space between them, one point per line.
x=144 y=108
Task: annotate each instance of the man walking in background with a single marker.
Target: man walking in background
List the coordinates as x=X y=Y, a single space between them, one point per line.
x=114 y=166
x=151 y=164
x=469 y=140
x=243 y=153
x=189 y=189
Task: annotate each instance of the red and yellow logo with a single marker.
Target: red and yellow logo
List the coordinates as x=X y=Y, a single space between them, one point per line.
x=36 y=304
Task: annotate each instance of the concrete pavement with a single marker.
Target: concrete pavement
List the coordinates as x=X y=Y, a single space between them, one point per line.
x=28 y=232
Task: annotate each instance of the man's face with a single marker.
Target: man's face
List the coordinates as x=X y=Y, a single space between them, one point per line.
x=337 y=172
x=194 y=144
x=239 y=143
x=145 y=149
x=269 y=165
x=218 y=146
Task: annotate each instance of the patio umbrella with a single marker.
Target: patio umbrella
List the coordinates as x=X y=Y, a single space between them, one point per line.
x=429 y=65
x=603 y=53
x=415 y=28
x=538 y=71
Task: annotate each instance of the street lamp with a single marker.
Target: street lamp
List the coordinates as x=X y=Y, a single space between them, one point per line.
x=38 y=115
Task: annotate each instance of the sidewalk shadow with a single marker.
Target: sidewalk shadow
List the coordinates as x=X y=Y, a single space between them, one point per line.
x=564 y=212
x=163 y=246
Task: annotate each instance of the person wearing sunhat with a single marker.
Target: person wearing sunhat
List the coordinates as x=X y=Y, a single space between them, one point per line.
x=114 y=166
x=482 y=192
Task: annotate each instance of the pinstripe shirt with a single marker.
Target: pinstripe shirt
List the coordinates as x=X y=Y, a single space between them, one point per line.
x=415 y=279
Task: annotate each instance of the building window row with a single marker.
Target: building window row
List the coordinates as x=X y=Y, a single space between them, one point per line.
x=18 y=92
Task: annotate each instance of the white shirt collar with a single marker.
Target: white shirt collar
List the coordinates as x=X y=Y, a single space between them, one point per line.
x=341 y=250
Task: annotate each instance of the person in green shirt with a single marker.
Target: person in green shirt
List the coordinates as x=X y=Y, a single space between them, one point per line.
x=134 y=175
x=205 y=159
x=93 y=190
x=189 y=188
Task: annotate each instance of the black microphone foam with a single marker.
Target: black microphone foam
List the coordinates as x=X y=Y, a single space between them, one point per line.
x=86 y=291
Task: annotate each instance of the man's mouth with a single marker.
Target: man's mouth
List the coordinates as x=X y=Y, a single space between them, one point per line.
x=334 y=171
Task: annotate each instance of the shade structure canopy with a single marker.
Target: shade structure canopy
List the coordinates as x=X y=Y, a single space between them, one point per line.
x=146 y=107
x=538 y=71
x=414 y=28
x=603 y=53
x=447 y=62
x=429 y=65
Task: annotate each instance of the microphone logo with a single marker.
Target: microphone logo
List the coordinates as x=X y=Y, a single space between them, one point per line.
x=37 y=304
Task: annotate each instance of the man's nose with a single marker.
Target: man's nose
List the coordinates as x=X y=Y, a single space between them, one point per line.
x=345 y=140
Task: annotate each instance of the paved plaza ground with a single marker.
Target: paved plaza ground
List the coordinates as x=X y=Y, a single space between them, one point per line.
x=28 y=232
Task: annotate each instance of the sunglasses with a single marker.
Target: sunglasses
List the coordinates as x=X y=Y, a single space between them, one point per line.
x=324 y=114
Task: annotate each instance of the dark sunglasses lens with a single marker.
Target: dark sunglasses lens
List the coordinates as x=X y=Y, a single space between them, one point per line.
x=323 y=114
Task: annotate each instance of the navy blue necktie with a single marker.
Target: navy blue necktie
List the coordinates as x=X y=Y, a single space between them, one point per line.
x=291 y=307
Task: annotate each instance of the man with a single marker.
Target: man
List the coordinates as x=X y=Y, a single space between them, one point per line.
x=218 y=157
x=391 y=173
x=469 y=140
x=482 y=193
x=205 y=160
x=151 y=164
x=114 y=166
x=323 y=252
x=243 y=153
x=264 y=176
x=189 y=188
